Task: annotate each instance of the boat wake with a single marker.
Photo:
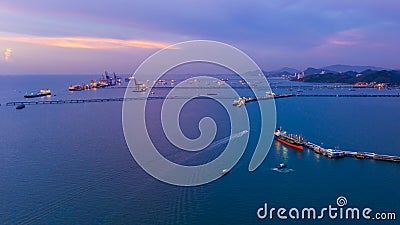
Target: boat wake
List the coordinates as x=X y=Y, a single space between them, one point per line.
x=283 y=170
x=225 y=140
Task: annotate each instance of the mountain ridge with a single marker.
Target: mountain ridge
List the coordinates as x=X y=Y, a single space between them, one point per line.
x=335 y=68
x=391 y=77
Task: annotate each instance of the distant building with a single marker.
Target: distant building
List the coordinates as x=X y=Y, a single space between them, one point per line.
x=300 y=75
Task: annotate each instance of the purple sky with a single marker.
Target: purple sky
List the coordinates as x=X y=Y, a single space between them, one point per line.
x=75 y=36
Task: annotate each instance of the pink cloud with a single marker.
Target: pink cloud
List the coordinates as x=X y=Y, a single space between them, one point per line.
x=88 y=43
x=347 y=37
x=341 y=42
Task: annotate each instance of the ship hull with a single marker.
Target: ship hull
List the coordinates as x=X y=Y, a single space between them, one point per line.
x=36 y=95
x=296 y=146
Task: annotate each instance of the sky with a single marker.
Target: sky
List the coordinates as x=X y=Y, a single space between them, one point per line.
x=85 y=37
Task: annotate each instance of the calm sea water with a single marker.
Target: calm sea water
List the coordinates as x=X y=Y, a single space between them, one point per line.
x=69 y=164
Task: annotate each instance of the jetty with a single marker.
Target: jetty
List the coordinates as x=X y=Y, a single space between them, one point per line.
x=349 y=95
x=75 y=101
x=246 y=99
x=336 y=153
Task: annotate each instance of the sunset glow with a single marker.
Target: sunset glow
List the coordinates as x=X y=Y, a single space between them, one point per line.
x=89 y=43
x=121 y=34
x=7 y=54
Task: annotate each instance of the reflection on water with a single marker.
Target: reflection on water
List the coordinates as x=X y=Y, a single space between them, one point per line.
x=281 y=150
x=285 y=153
x=317 y=157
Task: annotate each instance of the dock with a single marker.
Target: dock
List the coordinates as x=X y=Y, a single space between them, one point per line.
x=276 y=96
x=250 y=99
x=247 y=99
x=54 y=102
x=349 y=95
x=335 y=153
x=75 y=101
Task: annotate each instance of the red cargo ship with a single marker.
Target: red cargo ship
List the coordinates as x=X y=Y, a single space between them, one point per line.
x=294 y=141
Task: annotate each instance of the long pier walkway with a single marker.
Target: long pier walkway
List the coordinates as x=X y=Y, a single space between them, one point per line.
x=335 y=153
x=72 y=101
x=249 y=99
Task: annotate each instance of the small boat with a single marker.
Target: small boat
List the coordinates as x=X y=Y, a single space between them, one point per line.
x=38 y=94
x=20 y=106
x=281 y=166
x=239 y=102
x=270 y=94
x=225 y=171
x=75 y=88
x=140 y=89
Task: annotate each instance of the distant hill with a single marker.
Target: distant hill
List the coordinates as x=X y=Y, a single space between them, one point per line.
x=311 y=70
x=344 y=68
x=326 y=70
x=328 y=78
x=287 y=70
x=282 y=71
x=383 y=76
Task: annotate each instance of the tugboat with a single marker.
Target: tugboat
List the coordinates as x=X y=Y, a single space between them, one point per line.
x=294 y=141
x=38 y=94
x=281 y=166
x=75 y=88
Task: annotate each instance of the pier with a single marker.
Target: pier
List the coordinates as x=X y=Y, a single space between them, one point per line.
x=53 y=102
x=247 y=99
x=74 y=101
x=335 y=153
x=348 y=95
x=268 y=97
x=276 y=96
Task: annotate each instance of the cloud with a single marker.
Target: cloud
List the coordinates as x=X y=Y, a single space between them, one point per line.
x=85 y=42
x=7 y=54
x=349 y=37
x=268 y=30
x=296 y=25
x=341 y=42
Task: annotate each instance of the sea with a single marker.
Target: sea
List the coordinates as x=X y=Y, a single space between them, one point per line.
x=70 y=163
